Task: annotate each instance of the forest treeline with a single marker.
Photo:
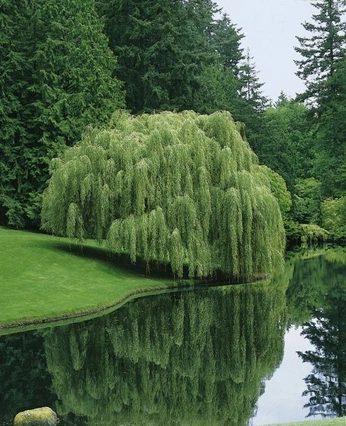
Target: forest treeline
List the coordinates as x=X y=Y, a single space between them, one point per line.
x=69 y=65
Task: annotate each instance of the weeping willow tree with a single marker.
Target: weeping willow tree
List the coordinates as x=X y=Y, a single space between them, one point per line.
x=179 y=189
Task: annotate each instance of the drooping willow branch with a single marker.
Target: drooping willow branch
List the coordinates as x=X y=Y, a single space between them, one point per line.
x=183 y=189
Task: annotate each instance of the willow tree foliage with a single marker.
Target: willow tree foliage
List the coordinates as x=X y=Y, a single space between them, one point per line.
x=192 y=358
x=180 y=189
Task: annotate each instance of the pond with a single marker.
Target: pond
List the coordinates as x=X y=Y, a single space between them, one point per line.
x=222 y=355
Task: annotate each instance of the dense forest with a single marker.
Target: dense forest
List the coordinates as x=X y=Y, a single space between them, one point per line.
x=68 y=66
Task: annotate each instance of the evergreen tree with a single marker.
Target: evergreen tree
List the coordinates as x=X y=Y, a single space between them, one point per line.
x=322 y=56
x=176 y=55
x=227 y=41
x=331 y=135
x=218 y=90
x=251 y=87
x=282 y=100
x=250 y=102
x=323 y=49
x=162 y=49
x=219 y=83
x=56 y=72
x=14 y=52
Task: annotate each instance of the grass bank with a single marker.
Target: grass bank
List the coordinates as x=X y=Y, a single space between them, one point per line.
x=326 y=422
x=44 y=277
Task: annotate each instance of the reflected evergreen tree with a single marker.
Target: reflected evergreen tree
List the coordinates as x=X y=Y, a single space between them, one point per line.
x=326 y=385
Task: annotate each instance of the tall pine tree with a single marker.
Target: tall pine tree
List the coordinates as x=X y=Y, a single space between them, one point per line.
x=322 y=52
x=220 y=81
x=57 y=77
x=331 y=135
x=323 y=49
x=162 y=50
x=251 y=87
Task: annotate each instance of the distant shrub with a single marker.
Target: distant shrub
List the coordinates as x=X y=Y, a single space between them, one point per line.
x=334 y=216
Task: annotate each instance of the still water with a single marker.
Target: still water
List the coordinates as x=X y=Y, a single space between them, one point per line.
x=230 y=355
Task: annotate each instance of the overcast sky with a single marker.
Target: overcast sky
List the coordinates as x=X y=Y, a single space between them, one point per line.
x=270 y=28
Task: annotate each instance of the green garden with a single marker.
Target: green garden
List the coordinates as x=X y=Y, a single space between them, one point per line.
x=139 y=154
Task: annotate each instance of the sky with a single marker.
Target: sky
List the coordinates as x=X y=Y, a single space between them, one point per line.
x=270 y=28
x=282 y=400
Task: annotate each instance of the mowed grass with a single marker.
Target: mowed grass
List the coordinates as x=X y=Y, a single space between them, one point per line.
x=326 y=422
x=43 y=277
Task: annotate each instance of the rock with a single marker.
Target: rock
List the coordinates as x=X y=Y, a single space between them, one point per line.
x=43 y=416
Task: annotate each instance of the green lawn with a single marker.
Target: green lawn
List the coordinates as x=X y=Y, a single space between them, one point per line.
x=327 y=422
x=42 y=276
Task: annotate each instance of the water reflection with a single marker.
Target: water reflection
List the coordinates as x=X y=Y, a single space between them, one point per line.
x=178 y=359
x=190 y=358
x=326 y=385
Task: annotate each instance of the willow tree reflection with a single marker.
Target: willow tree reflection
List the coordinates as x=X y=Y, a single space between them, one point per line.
x=186 y=358
x=326 y=385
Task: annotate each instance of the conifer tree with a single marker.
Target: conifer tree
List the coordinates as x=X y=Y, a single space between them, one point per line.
x=227 y=40
x=251 y=87
x=286 y=143
x=250 y=102
x=56 y=71
x=331 y=135
x=322 y=56
x=323 y=49
x=220 y=83
x=162 y=49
